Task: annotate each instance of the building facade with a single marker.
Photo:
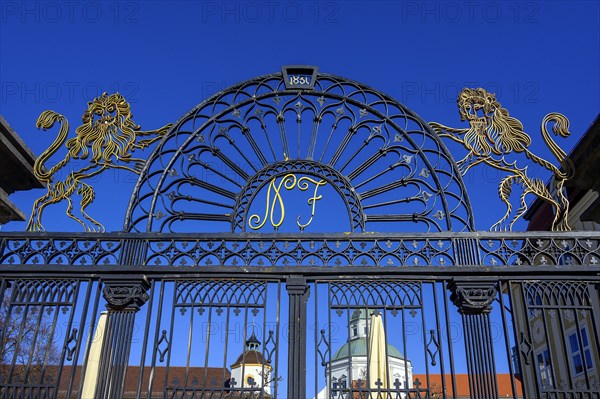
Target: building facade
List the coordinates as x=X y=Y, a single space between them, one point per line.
x=16 y=166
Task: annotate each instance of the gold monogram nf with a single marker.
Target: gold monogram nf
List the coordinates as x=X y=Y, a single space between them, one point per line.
x=105 y=140
x=492 y=134
x=275 y=206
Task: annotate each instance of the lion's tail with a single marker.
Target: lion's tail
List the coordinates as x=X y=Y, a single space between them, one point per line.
x=560 y=128
x=45 y=121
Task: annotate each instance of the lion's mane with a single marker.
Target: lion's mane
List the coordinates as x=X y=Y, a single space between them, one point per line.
x=107 y=141
x=496 y=131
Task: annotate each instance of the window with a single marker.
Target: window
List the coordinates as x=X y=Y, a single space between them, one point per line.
x=337 y=385
x=544 y=369
x=354 y=330
x=334 y=387
x=342 y=381
x=577 y=355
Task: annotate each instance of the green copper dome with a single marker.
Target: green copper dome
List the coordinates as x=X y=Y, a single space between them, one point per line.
x=358 y=347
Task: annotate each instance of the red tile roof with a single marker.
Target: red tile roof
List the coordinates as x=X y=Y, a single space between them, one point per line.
x=211 y=379
x=462 y=385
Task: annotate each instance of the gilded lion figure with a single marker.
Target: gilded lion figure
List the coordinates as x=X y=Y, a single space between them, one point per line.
x=107 y=138
x=492 y=134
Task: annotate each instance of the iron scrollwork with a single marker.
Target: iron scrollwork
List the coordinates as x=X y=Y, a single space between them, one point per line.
x=382 y=249
x=204 y=171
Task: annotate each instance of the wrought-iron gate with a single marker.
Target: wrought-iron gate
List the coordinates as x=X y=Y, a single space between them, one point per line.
x=175 y=330
x=161 y=311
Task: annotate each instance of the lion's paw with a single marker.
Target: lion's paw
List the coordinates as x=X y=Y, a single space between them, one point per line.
x=36 y=227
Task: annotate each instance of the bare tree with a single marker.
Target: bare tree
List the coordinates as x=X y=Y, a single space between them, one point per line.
x=436 y=391
x=26 y=346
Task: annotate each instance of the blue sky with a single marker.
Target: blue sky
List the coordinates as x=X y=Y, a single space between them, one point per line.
x=166 y=57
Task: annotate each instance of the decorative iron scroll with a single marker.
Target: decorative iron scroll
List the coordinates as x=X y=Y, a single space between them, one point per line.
x=557 y=293
x=267 y=250
x=376 y=294
x=58 y=292
x=110 y=133
x=200 y=177
x=492 y=132
x=242 y=293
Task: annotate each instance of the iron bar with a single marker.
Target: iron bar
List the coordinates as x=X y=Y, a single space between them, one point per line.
x=298 y=296
x=504 y=287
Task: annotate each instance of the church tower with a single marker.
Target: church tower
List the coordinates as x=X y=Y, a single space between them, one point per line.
x=349 y=364
x=251 y=370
